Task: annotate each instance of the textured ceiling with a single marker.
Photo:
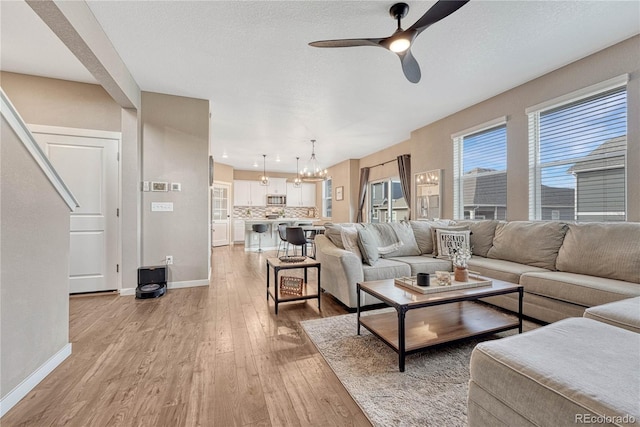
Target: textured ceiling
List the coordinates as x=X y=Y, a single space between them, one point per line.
x=271 y=93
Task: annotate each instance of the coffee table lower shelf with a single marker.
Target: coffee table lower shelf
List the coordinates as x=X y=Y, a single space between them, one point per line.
x=430 y=326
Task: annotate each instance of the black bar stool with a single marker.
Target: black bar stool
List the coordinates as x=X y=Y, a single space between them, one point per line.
x=296 y=237
x=282 y=233
x=260 y=229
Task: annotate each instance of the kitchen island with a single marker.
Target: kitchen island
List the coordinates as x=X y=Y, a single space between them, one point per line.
x=270 y=239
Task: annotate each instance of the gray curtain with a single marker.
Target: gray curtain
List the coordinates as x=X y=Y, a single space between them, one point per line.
x=364 y=180
x=404 y=169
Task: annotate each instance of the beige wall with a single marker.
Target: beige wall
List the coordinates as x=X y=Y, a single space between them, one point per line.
x=55 y=102
x=222 y=172
x=431 y=147
x=34 y=254
x=345 y=174
x=254 y=175
x=175 y=148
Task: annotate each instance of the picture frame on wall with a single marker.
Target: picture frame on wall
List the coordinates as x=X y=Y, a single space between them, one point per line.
x=339 y=193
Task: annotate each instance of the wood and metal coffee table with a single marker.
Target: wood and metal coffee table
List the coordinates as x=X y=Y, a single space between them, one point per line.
x=307 y=293
x=425 y=320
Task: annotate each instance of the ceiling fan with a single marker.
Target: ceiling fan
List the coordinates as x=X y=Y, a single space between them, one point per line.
x=401 y=40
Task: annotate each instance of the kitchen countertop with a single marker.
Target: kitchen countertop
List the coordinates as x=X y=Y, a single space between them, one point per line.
x=263 y=220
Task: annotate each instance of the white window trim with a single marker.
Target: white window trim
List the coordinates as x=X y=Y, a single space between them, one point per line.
x=457 y=138
x=579 y=94
x=533 y=113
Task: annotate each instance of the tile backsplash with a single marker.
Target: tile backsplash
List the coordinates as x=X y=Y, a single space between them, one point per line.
x=245 y=212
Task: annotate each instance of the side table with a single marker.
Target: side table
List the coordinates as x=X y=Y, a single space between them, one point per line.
x=307 y=293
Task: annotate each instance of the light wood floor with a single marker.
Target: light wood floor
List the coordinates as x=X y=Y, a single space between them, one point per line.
x=208 y=356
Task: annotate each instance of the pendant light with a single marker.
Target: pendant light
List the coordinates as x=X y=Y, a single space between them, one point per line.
x=297 y=182
x=264 y=179
x=312 y=172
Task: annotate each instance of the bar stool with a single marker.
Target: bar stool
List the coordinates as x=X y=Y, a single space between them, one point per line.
x=260 y=229
x=296 y=237
x=282 y=233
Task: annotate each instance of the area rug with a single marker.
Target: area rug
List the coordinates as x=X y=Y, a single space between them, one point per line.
x=431 y=392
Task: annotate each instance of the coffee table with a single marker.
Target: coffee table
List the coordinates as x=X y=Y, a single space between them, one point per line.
x=425 y=320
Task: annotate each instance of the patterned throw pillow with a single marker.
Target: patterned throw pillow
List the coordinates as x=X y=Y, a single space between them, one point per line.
x=448 y=240
x=435 y=237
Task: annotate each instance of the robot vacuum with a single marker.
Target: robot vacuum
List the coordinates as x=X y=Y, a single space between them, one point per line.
x=152 y=282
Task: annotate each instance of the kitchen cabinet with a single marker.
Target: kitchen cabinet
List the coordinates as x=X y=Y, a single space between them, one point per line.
x=249 y=193
x=308 y=195
x=305 y=195
x=277 y=186
x=238 y=230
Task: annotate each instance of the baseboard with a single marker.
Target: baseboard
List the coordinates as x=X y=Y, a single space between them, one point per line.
x=170 y=285
x=29 y=383
x=187 y=284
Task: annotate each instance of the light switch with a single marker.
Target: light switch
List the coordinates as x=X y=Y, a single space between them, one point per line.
x=161 y=207
x=146 y=186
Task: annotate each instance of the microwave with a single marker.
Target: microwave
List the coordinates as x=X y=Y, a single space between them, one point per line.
x=276 y=200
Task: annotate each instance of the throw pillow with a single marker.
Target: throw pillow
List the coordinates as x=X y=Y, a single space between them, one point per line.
x=448 y=240
x=349 y=235
x=482 y=232
x=434 y=237
x=368 y=242
x=422 y=233
x=333 y=233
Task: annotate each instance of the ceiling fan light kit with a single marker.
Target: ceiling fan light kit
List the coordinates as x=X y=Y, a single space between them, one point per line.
x=401 y=40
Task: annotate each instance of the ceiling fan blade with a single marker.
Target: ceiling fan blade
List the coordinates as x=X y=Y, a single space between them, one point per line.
x=438 y=11
x=410 y=66
x=346 y=43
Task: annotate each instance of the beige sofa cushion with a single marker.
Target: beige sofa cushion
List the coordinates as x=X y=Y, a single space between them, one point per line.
x=385 y=269
x=587 y=291
x=550 y=374
x=408 y=246
x=482 y=233
x=604 y=250
x=424 y=264
x=623 y=314
x=528 y=242
x=422 y=233
x=500 y=269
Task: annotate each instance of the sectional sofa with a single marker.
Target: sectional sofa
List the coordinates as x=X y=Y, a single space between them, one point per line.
x=565 y=268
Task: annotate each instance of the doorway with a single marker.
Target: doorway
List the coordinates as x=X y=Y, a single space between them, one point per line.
x=87 y=161
x=220 y=214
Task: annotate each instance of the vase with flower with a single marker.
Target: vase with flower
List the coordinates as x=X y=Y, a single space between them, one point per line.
x=459 y=258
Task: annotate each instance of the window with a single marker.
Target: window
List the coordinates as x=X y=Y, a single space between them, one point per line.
x=577 y=155
x=386 y=201
x=326 y=198
x=480 y=172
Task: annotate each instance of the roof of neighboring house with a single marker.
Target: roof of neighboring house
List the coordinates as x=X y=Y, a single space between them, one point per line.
x=606 y=156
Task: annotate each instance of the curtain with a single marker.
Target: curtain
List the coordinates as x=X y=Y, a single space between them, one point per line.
x=364 y=180
x=404 y=170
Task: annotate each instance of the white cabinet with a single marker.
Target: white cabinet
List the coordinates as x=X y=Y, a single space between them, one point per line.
x=238 y=230
x=258 y=194
x=308 y=195
x=294 y=196
x=241 y=193
x=249 y=193
x=305 y=195
x=277 y=186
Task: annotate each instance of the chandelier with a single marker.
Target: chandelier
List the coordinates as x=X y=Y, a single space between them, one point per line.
x=297 y=182
x=312 y=172
x=264 y=179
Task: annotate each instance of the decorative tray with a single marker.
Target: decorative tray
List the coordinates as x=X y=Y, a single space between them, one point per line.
x=410 y=283
x=292 y=258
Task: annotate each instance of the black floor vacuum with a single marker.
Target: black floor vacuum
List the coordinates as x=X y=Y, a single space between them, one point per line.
x=152 y=282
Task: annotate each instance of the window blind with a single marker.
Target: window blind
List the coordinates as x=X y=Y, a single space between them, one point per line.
x=481 y=174
x=580 y=159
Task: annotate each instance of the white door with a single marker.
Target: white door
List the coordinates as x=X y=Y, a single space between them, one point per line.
x=220 y=214
x=89 y=167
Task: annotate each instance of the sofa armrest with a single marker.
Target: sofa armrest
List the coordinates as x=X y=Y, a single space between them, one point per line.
x=341 y=270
